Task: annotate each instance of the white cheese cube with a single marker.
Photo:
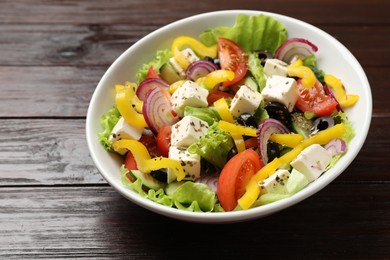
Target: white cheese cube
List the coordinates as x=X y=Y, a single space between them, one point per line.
x=190 y=163
x=177 y=67
x=281 y=89
x=275 y=67
x=187 y=131
x=189 y=55
x=189 y=94
x=124 y=130
x=312 y=161
x=275 y=183
x=246 y=100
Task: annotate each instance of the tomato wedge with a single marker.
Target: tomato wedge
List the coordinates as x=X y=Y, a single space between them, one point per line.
x=232 y=58
x=152 y=73
x=215 y=95
x=235 y=176
x=164 y=140
x=315 y=100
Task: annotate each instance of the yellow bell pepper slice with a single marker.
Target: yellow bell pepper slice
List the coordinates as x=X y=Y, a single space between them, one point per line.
x=126 y=101
x=253 y=189
x=174 y=86
x=296 y=69
x=198 y=47
x=237 y=129
x=214 y=78
x=289 y=140
x=239 y=142
x=339 y=91
x=143 y=160
x=223 y=110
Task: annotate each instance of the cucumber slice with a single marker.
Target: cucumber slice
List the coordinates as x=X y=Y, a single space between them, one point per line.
x=147 y=180
x=251 y=83
x=169 y=74
x=300 y=124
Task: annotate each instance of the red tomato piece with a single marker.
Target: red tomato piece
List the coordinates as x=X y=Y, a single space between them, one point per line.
x=130 y=162
x=235 y=176
x=251 y=142
x=151 y=144
x=232 y=58
x=152 y=73
x=315 y=100
x=214 y=95
x=164 y=140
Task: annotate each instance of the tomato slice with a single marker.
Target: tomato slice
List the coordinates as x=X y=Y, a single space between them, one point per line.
x=215 y=95
x=232 y=58
x=130 y=163
x=152 y=73
x=164 y=140
x=151 y=144
x=315 y=100
x=235 y=176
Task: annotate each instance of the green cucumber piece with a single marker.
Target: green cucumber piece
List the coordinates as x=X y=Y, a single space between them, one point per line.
x=147 y=180
x=300 y=124
x=250 y=82
x=169 y=74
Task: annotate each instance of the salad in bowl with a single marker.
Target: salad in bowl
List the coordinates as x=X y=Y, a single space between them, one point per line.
x=229 y=120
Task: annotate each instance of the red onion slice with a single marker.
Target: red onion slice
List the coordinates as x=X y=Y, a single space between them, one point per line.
x=329 y=92
x=336 y=146
x=295 y=48
x=209 y=180
x=266 y=128
x=148 y=84
x=157 y=109
x=199 y=69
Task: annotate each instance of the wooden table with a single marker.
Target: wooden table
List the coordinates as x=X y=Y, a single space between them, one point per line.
x=55 y=204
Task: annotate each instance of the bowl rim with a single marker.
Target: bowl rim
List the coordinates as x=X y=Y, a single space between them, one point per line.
x=234 y=216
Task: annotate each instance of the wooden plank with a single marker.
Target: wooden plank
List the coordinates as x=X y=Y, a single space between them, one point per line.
x=100 y=45
x=35 y=152
x=135 y=11
x=50 y=151
x=96 y=222
x=47 y=91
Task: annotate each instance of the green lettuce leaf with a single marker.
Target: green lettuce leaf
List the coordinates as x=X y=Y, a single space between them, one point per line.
x=161 y=57
x=214 y=146
x=190 y=196
x=193 y=196
x=251 y=33
x=257 y=70
x=311 y=62
x=208 y=114
x=108 y=122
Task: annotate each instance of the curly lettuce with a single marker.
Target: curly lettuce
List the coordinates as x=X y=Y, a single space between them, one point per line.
x=108 y=121
x=252 y=33
x=160 y=58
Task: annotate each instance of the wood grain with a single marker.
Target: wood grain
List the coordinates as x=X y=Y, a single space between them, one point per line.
x=100 y=45
x=342 y=221
x=137 y=12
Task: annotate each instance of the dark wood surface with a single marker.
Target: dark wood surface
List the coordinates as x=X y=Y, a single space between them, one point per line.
x=55 y=204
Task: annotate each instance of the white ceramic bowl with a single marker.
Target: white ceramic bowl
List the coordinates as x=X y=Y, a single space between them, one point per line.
x=333 y=58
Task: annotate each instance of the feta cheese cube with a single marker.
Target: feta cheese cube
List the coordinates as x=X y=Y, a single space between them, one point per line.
x=275 y=67
x=187 y=131
x=189 y=94
x=190 y=163
x=189 y=55
x=312 y=161
x=246 y=100
x=276 y=182
x=281 y=89
x=124 y=130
